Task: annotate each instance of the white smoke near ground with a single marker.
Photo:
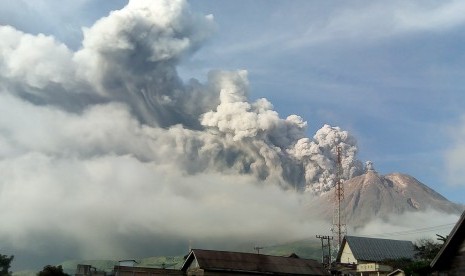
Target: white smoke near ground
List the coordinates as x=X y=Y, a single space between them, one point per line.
x=105 y=149
x=411 y=226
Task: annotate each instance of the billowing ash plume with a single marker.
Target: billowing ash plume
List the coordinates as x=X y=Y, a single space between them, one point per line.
x=112 y=123
x=319 y=157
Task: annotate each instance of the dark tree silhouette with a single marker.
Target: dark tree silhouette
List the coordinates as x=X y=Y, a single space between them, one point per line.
x=426 y=249
x=5 y=264
x=50 y=270
x=442 y=238
x=410 y=267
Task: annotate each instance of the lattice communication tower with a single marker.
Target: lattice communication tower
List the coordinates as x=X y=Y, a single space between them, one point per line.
x=338 y=229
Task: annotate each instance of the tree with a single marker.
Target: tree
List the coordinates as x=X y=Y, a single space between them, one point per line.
x=5 y=263
x=50 y=270
x=442 y=238
x=410 y=267
x=426 y=249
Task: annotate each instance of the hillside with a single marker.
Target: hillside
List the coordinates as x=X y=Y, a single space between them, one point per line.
x=308 y=249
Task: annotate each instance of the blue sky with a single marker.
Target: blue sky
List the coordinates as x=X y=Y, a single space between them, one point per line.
x=390 y=73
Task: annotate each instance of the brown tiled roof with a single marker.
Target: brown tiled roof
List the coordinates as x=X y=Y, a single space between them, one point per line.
x=211 y=260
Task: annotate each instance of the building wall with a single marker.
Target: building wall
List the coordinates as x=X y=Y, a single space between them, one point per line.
x=370 y=269
x=127 y=263
x=82 y=269
x=195 y=272
x=373 y=267
x=347 y=257
x=454 y=263
x=457 y=265
x=88 y=270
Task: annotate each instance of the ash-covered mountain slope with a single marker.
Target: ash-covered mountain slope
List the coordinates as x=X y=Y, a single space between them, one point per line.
x=371 y=196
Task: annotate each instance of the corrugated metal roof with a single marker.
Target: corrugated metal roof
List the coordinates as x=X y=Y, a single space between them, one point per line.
x=211 y=260
x=375 y=250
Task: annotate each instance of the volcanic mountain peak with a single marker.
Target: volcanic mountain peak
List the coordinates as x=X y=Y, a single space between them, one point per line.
x=372 y=195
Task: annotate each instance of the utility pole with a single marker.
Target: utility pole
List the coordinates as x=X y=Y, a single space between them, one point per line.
x=325 y=258
x=257 y=248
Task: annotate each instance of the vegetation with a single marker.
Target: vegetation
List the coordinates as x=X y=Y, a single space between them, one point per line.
x=5 y=264
x=426 y=250
x=50 y=270
x=410 y=267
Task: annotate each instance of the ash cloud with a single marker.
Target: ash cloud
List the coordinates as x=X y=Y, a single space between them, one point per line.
x=105 y=148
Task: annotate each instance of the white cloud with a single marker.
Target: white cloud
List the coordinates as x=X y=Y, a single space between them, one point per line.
x=444 y=15
x=35 y=60
x=96 y=202
x=370 y=21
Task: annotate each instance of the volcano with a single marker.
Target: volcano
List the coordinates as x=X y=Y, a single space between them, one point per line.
x=372 y=195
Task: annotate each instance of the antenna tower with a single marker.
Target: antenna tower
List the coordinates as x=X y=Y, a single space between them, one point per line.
x=339 y=227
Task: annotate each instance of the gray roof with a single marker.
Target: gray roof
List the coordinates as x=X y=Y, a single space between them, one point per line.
x=376 y=250
x=251 y=263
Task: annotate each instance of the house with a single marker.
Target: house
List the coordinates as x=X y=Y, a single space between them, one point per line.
x=450 y=260
x=144 y=271
x=127 y=263
x=209 y=262
x=362 y=250
x=84 y=270
x=365 y=256
x=88 y=270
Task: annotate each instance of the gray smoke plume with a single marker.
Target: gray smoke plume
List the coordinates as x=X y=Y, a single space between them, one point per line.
x=106 y=143
x=319 y=157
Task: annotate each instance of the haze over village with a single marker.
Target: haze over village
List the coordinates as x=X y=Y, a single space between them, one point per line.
x=142 y=128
